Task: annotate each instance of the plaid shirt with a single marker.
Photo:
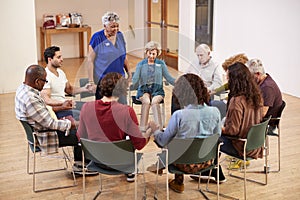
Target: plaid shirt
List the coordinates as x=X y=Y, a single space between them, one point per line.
x=30 y=107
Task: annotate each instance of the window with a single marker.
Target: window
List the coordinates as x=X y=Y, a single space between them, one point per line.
x=204 y=22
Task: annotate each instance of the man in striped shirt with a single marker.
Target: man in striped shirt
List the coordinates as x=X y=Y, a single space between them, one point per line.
x=30 y=107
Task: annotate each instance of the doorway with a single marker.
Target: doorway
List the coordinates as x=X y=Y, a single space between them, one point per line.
x=162 y=26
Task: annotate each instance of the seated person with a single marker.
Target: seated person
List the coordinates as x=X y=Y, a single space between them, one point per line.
x=204 y=66
x=30 y=107
x=57 y=85
x=245 y=108
x=270 y=91
x=195 y=118
x=221 y=104
x=148 y=77
x=107 y=120
x=242 y=58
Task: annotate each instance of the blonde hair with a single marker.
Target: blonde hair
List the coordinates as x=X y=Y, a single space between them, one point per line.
x=242 y=58
x=152 y=45
x=110 y=17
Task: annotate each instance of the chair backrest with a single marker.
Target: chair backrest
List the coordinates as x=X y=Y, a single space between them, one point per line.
x=192 y=151
x=82 y=83
x=29 y=131
x=256 y=135
x=113 y=154
x=281 y=109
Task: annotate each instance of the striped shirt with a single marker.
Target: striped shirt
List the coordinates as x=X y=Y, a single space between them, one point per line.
x=30 y=107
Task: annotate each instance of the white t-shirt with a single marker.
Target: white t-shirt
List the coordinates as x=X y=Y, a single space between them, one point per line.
x=56 y=84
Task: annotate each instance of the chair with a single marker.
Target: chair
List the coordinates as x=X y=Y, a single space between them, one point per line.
x=192 y=151
x=256 y=138
x=35 y=149
x=82 y=83
x=119 y=156
x=276 y=122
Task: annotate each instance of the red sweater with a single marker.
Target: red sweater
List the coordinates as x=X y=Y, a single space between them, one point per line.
x=109 y=121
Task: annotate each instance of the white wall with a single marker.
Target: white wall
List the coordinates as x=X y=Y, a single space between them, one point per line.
x=266 y=29
x=17 y=41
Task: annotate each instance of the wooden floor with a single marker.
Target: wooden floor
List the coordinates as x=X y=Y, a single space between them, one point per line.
x=15 y=183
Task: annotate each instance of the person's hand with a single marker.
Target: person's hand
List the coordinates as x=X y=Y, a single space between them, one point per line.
x=89 y=87
x=153 y=126
x=67 y=105
x=74 y=123
x=212 y=92
x=93 y=88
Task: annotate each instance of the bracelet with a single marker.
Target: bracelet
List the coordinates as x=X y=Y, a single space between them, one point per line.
x=91 y=81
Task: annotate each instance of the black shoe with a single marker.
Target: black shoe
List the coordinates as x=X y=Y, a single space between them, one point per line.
x=77 y=168
x=130 y=177
x=213 y=177
x=222 y=178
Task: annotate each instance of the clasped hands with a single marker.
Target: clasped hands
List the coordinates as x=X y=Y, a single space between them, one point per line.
x=90 y=87
x=151 y=128
x=68 y=104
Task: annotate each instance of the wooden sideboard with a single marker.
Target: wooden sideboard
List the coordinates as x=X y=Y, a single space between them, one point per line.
x=45 y=37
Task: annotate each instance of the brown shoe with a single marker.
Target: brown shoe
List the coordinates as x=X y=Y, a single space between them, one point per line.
x=176 y=187
x=153 y=169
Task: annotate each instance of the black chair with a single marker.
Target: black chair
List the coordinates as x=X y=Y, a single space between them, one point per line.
x=32 y=145
x=275 y=122
x=119 y=157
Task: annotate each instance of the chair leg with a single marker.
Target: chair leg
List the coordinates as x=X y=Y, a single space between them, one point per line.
x=34 y=173
x=100 y=187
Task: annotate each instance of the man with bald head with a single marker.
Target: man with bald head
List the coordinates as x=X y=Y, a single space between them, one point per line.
x=30 y=107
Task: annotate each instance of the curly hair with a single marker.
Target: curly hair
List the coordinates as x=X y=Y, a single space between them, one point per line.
x=113 y=84
x=242 y=58
x=242 y=83
x=189 y=89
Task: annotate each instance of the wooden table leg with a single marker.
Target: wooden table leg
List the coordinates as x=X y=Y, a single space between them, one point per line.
x=81 y=45
x=48 y=40
x=42 y=43
x=88 y=38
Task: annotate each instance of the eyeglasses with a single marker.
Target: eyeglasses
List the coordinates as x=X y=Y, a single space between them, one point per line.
x=44 y=80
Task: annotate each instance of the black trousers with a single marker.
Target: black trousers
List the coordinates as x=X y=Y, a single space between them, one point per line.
x=70 y=140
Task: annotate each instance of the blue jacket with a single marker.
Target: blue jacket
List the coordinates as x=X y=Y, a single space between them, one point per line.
x=139 y=79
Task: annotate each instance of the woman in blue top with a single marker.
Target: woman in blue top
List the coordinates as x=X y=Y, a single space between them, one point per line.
x=107 y=51
x=195 y=119
x=148 y=78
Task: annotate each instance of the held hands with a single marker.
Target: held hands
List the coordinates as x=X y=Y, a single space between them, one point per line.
x=152 y=127
x=90 y=87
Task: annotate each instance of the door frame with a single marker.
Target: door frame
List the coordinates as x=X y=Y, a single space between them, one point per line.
x=170 y=58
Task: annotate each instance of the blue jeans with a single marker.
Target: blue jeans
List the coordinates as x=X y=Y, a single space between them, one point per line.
x=228 y=148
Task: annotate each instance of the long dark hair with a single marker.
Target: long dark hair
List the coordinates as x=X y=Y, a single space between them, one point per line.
x=242 y=83
x=189 y=89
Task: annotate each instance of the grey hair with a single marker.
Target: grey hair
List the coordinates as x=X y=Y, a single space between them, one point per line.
x=110 y=17
x=153 y=45
x=205 y=47
x=255 y=65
